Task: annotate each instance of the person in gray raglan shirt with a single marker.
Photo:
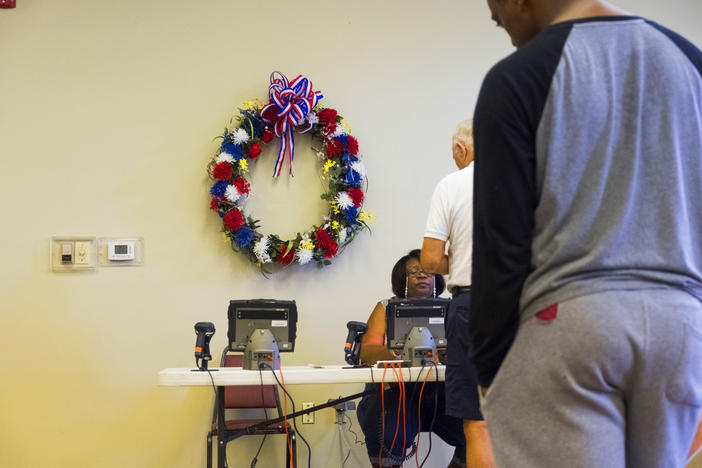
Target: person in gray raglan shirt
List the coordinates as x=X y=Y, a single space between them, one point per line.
x=586 y=313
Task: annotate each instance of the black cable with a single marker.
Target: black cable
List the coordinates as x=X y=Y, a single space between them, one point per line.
x=309 y=449
x=265 y=434
x=414 y=390
x=355 y=436
x=347 y=457
x=214 y=387
x=436 y=405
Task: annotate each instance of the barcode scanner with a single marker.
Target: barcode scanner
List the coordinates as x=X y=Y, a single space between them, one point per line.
x=204 y=331
x=352 y=348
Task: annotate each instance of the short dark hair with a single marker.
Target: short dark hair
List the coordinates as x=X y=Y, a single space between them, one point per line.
x=398 y=278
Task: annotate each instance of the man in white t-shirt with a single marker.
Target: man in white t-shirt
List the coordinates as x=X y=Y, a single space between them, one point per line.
x=451 y=220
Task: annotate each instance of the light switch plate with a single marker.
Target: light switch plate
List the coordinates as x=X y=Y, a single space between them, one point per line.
x=81 y=253
x=72 y=253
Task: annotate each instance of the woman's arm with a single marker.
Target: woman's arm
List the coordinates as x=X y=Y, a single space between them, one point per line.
x=373 y=348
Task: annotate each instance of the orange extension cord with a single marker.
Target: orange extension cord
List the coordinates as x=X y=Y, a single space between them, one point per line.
x=285 y=416
x=400 y=407
x=419 y=417
x=382 y=418
x=404 y=425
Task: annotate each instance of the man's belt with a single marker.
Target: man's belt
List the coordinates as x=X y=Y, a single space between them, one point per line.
x=456 y=290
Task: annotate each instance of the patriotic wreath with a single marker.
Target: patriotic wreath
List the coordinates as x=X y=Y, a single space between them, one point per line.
x=292 y=108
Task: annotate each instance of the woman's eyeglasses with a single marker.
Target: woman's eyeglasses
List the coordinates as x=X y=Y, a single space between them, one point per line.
x=416 y=273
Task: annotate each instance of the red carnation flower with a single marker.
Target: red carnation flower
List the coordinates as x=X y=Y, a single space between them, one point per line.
x=268 y=135
x=222 y=171
x=325 y=242
x=255 y=150
x=241 y=185
x=352 y=145
x=327 y=116
x=270 y=115
x=233 y=220
x=356 y=195
x=334 y=148
x=329 y=129
x=214 y=203
x=283 y=258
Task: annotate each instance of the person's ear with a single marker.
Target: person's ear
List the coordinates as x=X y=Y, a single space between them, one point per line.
x=523 y=5
x=462 y=150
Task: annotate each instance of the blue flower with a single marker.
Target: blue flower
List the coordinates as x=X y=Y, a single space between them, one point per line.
x=343 y=140
x=351 y=213
x=244 y=236
x=218 y=189
x=353 y=178
x=233 y=149
x=256 y=122
x=348 y=159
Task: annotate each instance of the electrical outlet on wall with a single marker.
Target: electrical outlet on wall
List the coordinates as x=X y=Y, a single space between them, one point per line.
x=309 y=417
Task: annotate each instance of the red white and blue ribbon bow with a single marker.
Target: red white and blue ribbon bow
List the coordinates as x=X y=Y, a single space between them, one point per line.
x=292 y=101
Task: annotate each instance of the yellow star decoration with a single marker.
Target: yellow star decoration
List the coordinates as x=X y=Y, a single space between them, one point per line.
x=335 y=207
x=328 y=165
x=307 y=245
x=335 y=225
x=366 y=217
x=244 y=165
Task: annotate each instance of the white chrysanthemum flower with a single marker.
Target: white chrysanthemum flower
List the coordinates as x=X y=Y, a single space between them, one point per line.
x=225 y=157
x=240 y=136
x=344 y=200
x=261 y=250
x=359 y=167
x=312 y=118
x=342 y=235
x=339 y=131
x=232 y=193
x=304 y=256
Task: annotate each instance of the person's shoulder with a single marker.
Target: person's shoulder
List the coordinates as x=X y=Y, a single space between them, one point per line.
x=544 y=49
x=690 y=50
x=458 y=176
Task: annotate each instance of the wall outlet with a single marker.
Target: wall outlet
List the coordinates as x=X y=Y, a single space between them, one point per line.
x=309 y=417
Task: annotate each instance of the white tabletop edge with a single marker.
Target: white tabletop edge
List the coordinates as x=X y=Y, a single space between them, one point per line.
x=294 y=375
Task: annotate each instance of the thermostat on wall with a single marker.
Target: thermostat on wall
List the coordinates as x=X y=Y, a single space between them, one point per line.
x=120 y=251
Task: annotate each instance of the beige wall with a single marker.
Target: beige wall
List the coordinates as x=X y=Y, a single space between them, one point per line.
x=107 y=112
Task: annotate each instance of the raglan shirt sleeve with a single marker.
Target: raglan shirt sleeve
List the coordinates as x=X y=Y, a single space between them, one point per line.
x=504 y=198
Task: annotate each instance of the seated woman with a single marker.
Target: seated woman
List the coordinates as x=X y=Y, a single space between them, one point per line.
x=408 y=280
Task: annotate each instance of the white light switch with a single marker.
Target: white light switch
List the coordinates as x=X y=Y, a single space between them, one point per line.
x=82 y=256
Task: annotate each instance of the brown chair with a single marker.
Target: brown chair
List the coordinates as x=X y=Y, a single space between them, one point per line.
x=245 y=397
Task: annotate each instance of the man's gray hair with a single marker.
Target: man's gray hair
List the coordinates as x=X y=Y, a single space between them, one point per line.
x=464 y=133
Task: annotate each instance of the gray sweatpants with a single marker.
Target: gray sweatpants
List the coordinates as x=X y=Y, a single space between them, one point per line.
x=615 y=380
